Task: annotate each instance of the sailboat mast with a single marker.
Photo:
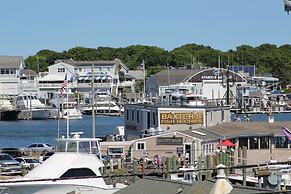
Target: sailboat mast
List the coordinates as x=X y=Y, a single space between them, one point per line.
x=93 y=103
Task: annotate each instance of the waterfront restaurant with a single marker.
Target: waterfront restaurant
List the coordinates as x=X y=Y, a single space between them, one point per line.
x=262 y=140
x=139 y=117
x=185 y=143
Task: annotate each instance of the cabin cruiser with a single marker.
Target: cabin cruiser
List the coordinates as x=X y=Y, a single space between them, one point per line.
x=67 y=108
x=75 y=168
x=70 y=111
x=31 y=107
x=106 y=107
x=7 y=110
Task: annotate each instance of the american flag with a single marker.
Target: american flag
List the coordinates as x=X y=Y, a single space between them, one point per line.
x=64 y=86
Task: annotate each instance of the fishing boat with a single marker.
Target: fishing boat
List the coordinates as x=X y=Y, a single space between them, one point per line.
x=31 y=107
x=75 y=168
x=104 y=108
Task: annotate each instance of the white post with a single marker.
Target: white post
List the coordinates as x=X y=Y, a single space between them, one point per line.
x=93 y=104
x=68 y=122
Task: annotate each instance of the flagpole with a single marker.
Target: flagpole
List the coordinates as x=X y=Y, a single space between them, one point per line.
x=59 y=105
x=68 y=123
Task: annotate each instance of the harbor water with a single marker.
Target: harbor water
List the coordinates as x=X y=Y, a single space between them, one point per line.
x=22 y=133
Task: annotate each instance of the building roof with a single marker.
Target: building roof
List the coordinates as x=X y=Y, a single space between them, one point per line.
x=137 y=74
x=240 y=129
x=10 y=61
x=86 y=63
x=200 y=133
x=173 y=76
x=164 y=186
x=28 y=72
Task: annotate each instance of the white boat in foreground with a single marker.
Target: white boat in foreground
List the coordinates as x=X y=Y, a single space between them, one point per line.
x=63 y=173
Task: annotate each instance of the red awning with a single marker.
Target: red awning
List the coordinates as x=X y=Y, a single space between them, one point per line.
x=226 y=143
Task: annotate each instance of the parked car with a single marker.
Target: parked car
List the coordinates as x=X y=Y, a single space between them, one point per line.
x=41 y=147
x=14 y=152
x=27 y=162
x=8 y=165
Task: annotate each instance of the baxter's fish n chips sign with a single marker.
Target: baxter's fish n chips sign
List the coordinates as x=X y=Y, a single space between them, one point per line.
x=181 y=118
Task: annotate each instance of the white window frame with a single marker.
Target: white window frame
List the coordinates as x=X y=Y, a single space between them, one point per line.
x=141 y=142
x=61 y=70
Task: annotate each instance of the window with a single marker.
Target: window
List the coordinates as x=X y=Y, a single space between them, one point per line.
x=140 y=146
x=78 y=172
x=61 y=70
x=132 y=115
x=254 y=143
x=222 y=116
x=84 y=147
x=115 y=151
x=137 y=116
x=281 y=142
x=243 y=142
x=154 y=118
x=264 y=142
x=127 y=114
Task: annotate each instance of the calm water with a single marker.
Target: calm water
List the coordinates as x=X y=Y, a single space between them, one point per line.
x=264 y=117
x=23 y=133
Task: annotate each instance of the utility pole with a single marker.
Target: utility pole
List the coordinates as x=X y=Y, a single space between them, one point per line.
x=144 y=78
x=227 y=87
x=93 y=103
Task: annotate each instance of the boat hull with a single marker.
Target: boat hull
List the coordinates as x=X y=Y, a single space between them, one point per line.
x=8 y=115
x=34 y=114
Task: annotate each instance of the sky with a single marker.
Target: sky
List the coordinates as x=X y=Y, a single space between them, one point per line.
x=29 y=26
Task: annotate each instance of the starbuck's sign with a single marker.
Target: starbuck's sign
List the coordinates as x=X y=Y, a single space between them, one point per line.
x=189 y=118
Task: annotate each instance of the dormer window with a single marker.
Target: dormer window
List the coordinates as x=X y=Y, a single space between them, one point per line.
x=61 y=70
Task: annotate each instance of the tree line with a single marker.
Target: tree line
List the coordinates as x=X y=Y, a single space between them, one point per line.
x=269 y=59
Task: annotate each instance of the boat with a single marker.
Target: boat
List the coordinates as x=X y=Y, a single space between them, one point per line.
x=74 y=168
x=31 y=107
x=63 y=173
x=106 y=107
x=7 y=110
x=68 y=108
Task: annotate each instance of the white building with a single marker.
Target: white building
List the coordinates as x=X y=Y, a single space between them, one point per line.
x=109 y=76
x=10 y=68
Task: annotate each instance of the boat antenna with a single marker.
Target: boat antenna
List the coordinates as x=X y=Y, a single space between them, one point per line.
x=93 y=103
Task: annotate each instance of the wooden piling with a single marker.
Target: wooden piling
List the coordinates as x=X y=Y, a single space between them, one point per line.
x=134 y=170
x=164 y=167
x=199 y=168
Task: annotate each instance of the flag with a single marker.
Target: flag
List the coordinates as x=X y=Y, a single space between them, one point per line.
x=142 y=66
x=64 y=86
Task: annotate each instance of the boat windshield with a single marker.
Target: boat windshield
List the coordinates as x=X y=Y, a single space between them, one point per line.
x=90 y=146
